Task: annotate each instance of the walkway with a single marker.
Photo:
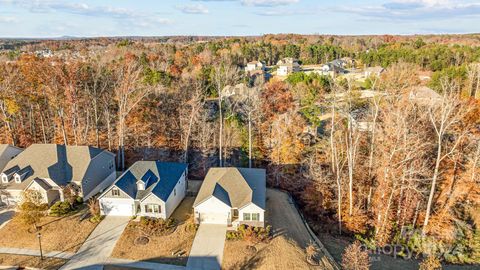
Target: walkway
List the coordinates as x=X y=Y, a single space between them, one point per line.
x=5 y=216
x=207 y=248
x=99 y=245
x=36 y=252
x=142 y=265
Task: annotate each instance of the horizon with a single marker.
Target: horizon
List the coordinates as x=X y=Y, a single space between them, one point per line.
x=50 y=19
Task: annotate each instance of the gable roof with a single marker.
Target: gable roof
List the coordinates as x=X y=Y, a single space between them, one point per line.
x=236 y=187
x=63 y=164
x=160 y=178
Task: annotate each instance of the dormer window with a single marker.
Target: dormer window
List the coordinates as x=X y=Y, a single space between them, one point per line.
x=4 y=178
x=18 y=179
x=115 y=192
x=140 y=185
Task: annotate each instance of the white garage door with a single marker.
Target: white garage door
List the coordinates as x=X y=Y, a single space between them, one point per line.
x=214 y=218
x=116 y=208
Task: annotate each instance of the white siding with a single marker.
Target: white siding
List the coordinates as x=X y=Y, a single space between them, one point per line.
x=176 y=197
x=152 y=199
x=251 y=208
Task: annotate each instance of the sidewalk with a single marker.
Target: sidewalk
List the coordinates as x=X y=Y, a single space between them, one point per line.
x=36 y=252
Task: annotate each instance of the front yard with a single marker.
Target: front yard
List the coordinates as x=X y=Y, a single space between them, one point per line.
x=31 y=261
x=279 y=253
x=58 y=233
x=172 y=248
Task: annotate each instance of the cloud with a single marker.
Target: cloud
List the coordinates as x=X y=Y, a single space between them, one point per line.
x=193 y=9
x=414 y=10
x=121 y=15
x=8 y=19
x=268 y=3
x=273 y=12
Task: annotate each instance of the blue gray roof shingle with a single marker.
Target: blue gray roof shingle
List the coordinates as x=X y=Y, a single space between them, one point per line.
x=160 y=178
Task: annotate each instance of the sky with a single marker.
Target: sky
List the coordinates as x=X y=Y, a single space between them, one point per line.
x=88 y=18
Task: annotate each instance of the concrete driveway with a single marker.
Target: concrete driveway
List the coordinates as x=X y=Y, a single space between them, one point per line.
x=207 y=248
x=99 y=245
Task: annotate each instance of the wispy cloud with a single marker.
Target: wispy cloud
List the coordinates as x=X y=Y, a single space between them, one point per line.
x=193 y=9
x=414 y=10
x=268 y=3
x=284 y=12
x=122 y=15
x=7 y=19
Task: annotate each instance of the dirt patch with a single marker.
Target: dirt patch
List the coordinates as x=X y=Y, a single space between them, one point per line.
x=173 y=248
x=31 y=261
x=58 y=233
x=280 y=253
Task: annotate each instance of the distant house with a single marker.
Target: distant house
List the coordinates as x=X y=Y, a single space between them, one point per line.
x=7 y=153
x=336 y=66
x=147 y=188
x=254 y=66
x=424 y=95
x=373 y=71
x=287 y=66
x=46 y=53
x=48 y=168
x=239 y=91
x=232 y=196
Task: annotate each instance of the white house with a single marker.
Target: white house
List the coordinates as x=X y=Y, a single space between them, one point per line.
x=255 y=65
x=48 y=168
x=232 y=196
x=147 y=188
x=287 y=66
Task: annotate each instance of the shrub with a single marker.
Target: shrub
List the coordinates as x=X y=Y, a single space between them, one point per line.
x=156 y=226
x=250 y=234
x=94 y=209
x=60 y=209
x=354 y=258
x=430 y=263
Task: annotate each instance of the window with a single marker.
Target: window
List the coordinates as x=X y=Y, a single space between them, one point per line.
x=4 y=179
x=115 y=192
x=251 y=216
x=152 y=208
x=17 y=178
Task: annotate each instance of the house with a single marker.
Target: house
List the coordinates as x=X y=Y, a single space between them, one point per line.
x=336 y=66
x=232 y=196
x=48 y=168
x=424 y=95
x=373 y=71
x=8 y=152
x=147 y=188
x=254 y=66
x=287 y=66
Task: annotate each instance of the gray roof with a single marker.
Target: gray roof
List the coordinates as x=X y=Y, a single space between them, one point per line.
x=236 y=187
x=63 y=164
x=160 y=178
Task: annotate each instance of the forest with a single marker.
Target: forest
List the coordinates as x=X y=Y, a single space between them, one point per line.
x=413 y=179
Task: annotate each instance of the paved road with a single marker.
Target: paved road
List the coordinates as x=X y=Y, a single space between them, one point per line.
x=36 y=252
x=99 y=245
x=207 y=248
x=6 y=215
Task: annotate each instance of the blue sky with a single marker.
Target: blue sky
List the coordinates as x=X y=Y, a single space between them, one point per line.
x=54 y=18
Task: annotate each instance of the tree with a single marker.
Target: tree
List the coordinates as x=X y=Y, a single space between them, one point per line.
x=32 y=207
x=354 y=258
x=430 y=263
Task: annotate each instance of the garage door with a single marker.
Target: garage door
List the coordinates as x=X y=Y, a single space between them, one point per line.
x=116 y=208
x=214 y=218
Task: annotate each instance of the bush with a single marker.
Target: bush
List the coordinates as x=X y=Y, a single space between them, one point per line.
x=430 y=263
x=354 y=258
x=156 y=226
x=250 y=234
x=60 y=209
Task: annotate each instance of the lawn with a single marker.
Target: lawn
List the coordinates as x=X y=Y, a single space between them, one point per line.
x=31 y=261
x=58 y=233
x=279 y=253
x=160 y=248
